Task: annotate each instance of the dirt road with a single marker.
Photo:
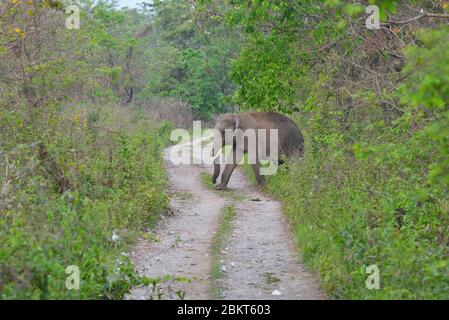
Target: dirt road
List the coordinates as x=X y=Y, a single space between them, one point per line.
x=258 y=260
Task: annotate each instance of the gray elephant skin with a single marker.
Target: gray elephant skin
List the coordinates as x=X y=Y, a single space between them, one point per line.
x=290 y=140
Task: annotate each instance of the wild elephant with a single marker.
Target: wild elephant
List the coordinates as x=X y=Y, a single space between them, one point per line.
x=290 y=141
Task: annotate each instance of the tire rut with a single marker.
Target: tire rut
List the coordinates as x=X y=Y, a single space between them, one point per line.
x=261 y=258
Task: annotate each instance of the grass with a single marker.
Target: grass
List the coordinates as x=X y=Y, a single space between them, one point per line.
x=364 y=218
x=207 y=181
x=116 y=185
x=224 y=229
x=248 y=170
x=218 y=244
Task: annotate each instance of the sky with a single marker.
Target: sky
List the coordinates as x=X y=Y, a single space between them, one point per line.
x=128 y=3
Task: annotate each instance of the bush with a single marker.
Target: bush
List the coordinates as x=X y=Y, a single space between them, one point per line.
x=376 y=193
x=70 y=182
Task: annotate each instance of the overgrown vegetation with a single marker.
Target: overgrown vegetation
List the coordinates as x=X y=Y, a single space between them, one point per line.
x=81 y=174
x=83 y=119
x=373 y=106
x=62 y=205
x=191 y=58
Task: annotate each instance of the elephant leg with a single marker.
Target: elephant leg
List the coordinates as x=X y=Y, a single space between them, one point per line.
x=256 y=169
x=216 y=172
x=227 y=172
x=225 y=176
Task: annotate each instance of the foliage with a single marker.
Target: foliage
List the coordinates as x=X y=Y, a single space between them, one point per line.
x=115 y=181
x=191 y=59
x=372 y=188
x=76 y=166
x=427 y=94
x=372 y=104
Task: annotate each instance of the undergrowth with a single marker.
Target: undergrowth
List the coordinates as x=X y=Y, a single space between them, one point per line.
x=78 y=186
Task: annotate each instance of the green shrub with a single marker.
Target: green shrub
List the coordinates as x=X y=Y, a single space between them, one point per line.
x=376 y=193
x=111 y=160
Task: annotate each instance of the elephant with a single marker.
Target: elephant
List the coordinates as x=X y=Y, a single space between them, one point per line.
x=290 y=142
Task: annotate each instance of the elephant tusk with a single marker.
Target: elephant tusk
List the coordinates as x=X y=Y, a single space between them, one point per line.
x=217 y=155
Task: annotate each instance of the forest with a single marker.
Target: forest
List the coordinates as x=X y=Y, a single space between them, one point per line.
x=86 y=113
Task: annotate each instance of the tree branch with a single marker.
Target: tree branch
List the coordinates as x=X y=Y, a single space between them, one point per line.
x=424 y=15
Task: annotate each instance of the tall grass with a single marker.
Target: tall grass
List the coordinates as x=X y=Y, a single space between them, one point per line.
x=350 y=213
x=113 y=182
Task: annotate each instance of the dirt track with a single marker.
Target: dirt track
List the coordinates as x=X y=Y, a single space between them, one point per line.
x=259 y=260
